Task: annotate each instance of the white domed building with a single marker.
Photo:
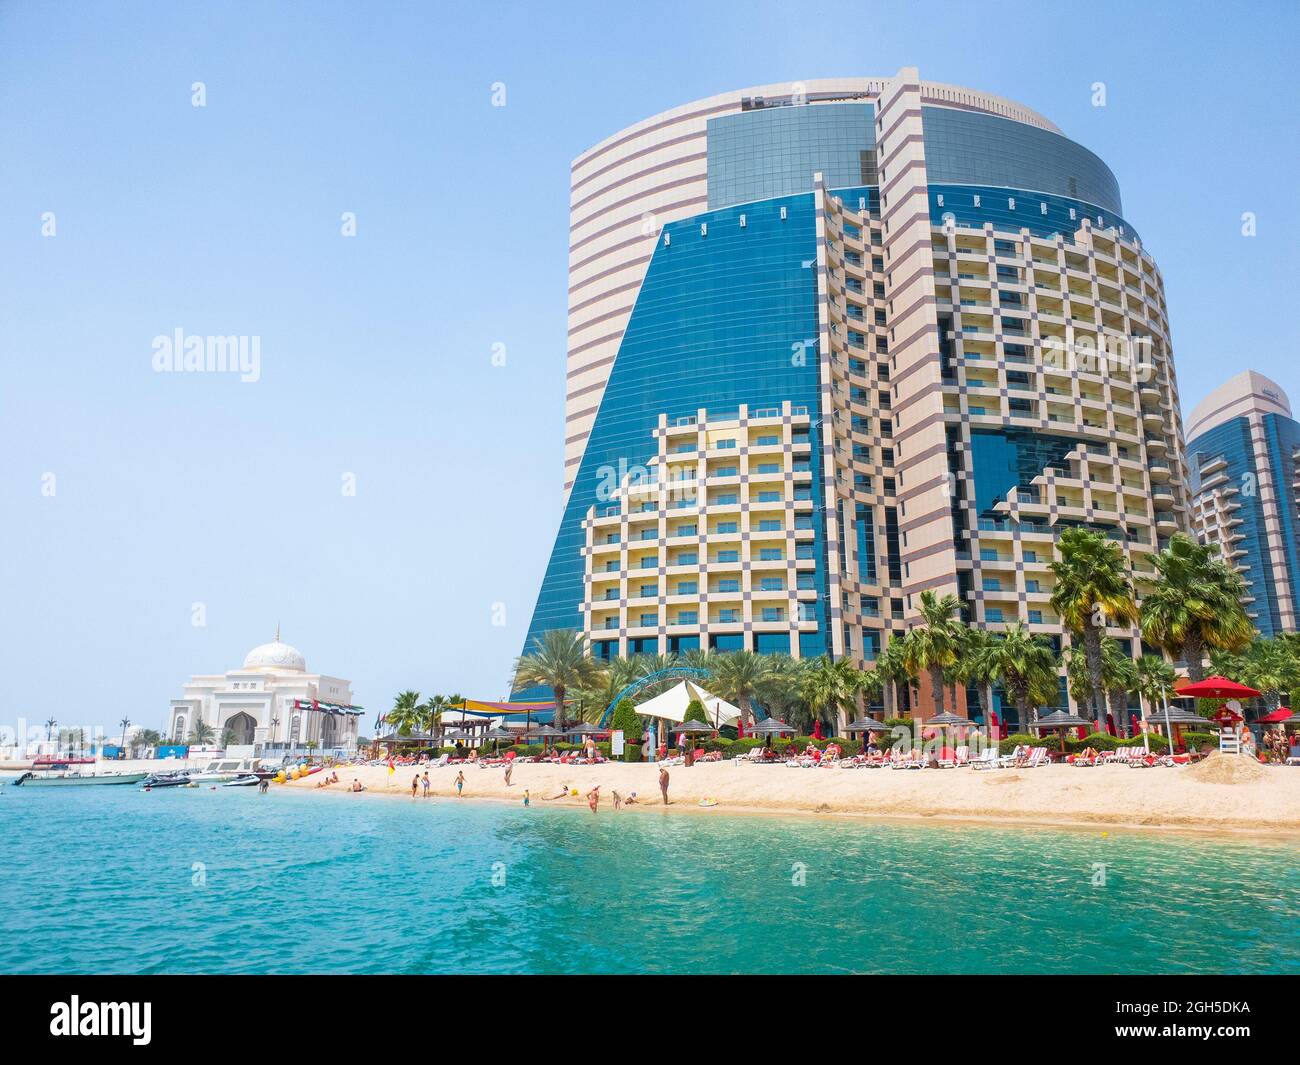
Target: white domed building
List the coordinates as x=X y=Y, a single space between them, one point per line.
x=271 y=702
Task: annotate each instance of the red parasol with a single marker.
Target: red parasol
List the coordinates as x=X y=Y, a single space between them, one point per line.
x=995 y=726
x=1133 y=723
x=740 y=728
x=817 y=729
x=1277 y=716
x=1216 y=688
x=1110 y=723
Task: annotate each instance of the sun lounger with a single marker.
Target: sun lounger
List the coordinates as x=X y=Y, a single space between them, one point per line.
x=986 y=759
x=910 y=761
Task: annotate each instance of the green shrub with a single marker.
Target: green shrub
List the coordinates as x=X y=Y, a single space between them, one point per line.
x=626 y=718
x=695 y=712
x=1196 y=740
x=631 y=752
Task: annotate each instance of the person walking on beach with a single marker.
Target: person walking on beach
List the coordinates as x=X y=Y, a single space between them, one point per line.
x=415 y=784
x=525 y=796
x=593 y=798
x=424 y=783
x=663 y=783
x=460 y=783
x=618 y=801
x=510 y=768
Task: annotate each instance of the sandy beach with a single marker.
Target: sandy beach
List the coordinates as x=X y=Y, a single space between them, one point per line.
x=1262 y=799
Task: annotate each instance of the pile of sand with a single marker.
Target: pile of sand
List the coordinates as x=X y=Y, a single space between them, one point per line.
x=1221 y=768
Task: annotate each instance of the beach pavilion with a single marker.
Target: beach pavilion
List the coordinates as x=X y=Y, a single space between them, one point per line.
x=669 y=707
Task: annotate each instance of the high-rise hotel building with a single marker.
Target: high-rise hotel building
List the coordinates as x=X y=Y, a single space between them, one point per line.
x=1242 y=445
x=832 y=344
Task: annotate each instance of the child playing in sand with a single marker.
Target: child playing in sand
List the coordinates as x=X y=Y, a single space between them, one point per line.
x=460 y=783
x=618 y=801
x=525 y=796
x=424 y=783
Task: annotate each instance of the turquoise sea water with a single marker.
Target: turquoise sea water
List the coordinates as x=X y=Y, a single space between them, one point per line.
x=229 y=881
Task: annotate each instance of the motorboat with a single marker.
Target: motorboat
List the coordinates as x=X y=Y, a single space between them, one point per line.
x=224 y=770
x=168 y=780
x=248 y=781
x=67 y=778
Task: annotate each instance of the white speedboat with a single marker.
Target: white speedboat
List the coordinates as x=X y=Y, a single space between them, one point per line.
x=225 y=769
x=70 y=778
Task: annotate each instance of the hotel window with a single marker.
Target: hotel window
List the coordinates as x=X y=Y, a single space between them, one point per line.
x=648 y=534
x=648 y=591
x=804 y=551
x=650 y=562
x=992 y=584
x=684 y=530
x=771 y=584
x=688 y=587
x=728 y=556
x=725 y=527
x=769 y=554
x=807 y=611
x=611 y=538
x=1035 y=617
x=1032 y=586
x=649 y=619
x=1031 y=556
x=773 y=613
x=988 y=554
x=728 y=617
x=769 y=467
x=769 y=497
x=993 y=613
x=688 y=617
x=726 y=499
x=725 y=445
x=729 y=586
x=770 y=525
x=806 y=582
x=687 y=558
x=725 y=471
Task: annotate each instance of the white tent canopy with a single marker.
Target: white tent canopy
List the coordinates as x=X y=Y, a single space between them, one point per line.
x=671 y=705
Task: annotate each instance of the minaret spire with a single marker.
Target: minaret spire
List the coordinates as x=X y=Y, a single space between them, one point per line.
x=277 y=632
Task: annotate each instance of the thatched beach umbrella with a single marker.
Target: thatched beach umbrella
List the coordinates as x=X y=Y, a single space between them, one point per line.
x=496 y=735
x=866 y=724
x=770 y=726
x=1060 y=721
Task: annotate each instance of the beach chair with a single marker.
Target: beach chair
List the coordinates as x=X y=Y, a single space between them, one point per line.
x=911 y=761
x=986 y=759
x=1038 y=756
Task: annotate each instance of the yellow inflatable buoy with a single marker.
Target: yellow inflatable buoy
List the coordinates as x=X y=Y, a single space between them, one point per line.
x=280 y=777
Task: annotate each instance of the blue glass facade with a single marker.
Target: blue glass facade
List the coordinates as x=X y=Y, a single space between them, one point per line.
x=1281 y=439
x=714 y=326
x=759 y=155
x=1009 y=458
x=1012 y=208
x=970 y=148
x=1231 y=441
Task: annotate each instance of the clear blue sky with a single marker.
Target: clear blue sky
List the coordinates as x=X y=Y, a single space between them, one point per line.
x=376 y=350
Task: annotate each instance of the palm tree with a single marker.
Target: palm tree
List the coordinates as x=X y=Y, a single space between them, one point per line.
x=1155 y=678
x=737 y=677
x=404 y=717
x=977 y=666
x=1026 y=665
x=934 y=645
x=430 y=713
x=1273 y=667
x=594 y=697
x=559 y=661
x=201 y=733
x=1121 y=678
x=1194 y=605
x=49 y=728
x=126 y=724
x=891 y=668
x=145 y=739
x=1092 y=591
x=831 y=685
